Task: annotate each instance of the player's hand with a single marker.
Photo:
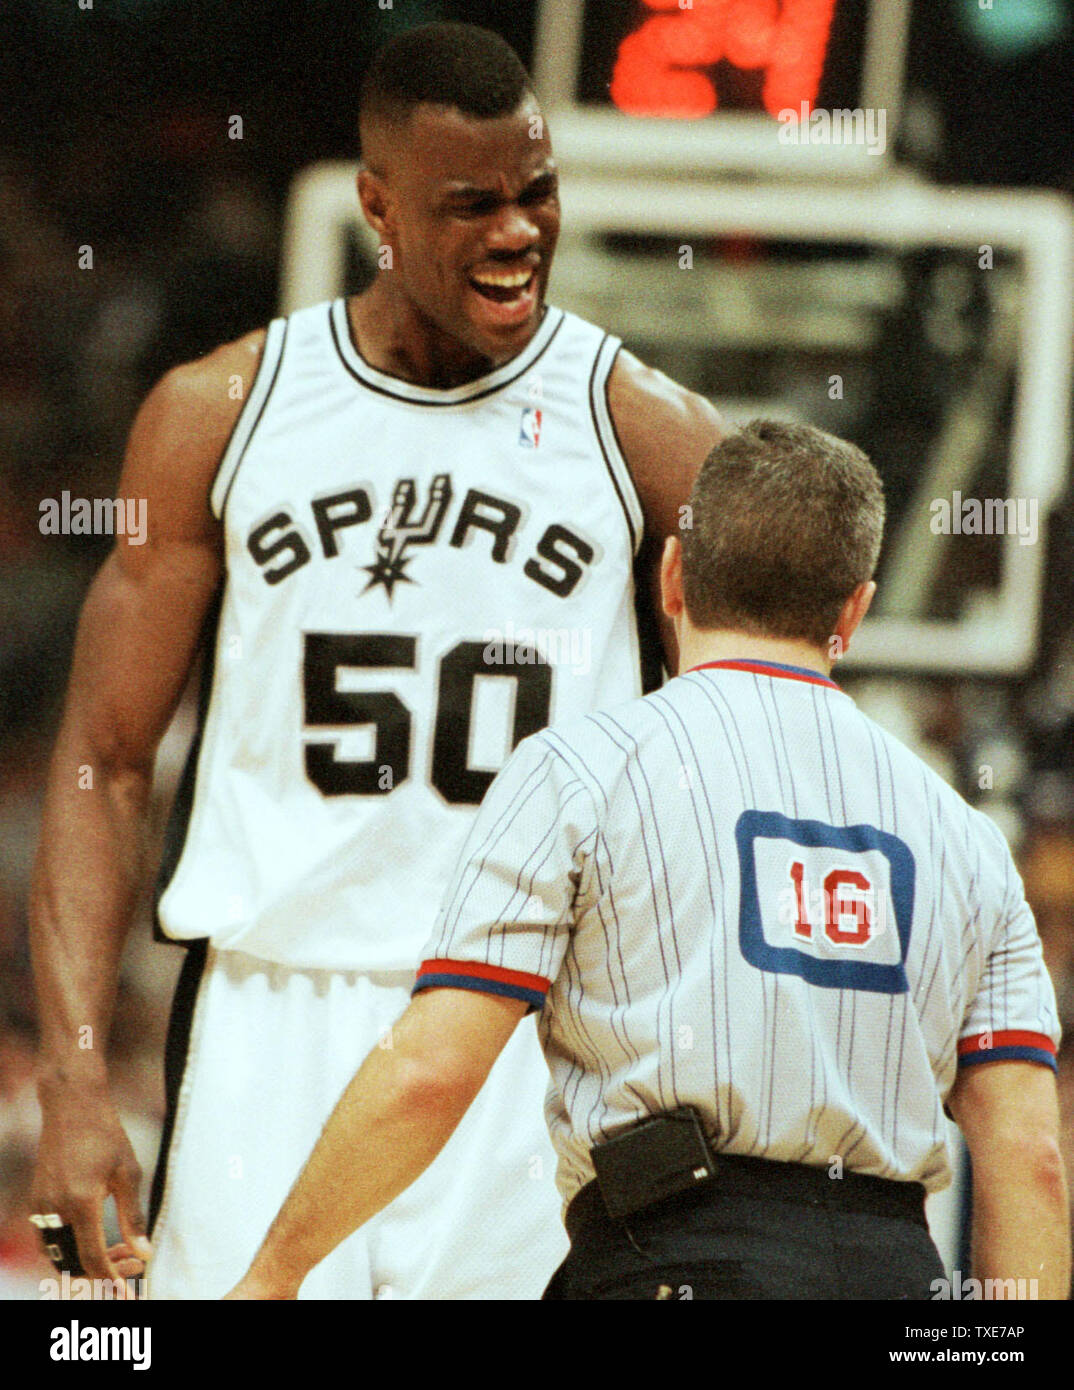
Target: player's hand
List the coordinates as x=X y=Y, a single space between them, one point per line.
x=85 y=1156
x=130 y=1267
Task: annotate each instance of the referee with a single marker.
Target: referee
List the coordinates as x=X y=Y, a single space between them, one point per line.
x=766 y=946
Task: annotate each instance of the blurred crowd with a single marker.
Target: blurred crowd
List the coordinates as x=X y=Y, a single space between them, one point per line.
x=94 y=305
x=138 y=245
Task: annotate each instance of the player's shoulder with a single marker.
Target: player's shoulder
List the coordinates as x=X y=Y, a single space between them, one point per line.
x=193 y=408
x=182 y=429
x=639 y=392
x=665 y=432
x=216 y=383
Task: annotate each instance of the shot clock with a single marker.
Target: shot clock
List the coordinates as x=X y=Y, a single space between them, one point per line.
x=707 y=85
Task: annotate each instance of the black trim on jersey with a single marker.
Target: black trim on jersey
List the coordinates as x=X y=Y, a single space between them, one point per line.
x=600 y=438
x=257 y=421
x=176 y=1050
x=410 y=400
x=232 y=432
x=650 y=642
x=178 y=826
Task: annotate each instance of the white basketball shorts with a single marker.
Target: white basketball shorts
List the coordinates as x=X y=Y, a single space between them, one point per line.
x=270 y=1051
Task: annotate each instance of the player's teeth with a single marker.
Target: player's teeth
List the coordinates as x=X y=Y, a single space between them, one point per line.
x=504 y=282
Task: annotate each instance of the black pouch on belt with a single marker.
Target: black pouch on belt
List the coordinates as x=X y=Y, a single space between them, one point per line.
x=653 y=1160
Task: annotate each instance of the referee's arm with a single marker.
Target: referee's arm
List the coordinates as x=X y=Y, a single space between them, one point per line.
x=391 y=1122
x=1009 y=1115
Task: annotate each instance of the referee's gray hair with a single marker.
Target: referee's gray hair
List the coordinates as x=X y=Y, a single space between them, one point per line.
x=786 y=522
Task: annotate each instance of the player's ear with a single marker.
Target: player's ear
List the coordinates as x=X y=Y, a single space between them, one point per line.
x=375 y=200
x=854 y=610
x=671 y=577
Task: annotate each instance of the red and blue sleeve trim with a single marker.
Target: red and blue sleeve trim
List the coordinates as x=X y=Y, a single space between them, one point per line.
x=487 y=979
x=1009 y=1045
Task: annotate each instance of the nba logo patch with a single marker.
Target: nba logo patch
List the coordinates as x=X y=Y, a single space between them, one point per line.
x=529 y=433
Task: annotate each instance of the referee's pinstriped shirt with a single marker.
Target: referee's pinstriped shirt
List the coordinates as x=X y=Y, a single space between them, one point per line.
x=740 y=893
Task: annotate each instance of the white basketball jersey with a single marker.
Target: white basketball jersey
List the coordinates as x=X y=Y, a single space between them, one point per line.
x=416 y=579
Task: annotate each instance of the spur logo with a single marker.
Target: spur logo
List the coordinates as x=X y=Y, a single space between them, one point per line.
x=400 y=530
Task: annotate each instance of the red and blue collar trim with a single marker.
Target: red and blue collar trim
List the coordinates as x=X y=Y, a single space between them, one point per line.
x=768 y=668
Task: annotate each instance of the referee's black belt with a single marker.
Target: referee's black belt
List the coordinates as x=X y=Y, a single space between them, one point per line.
x=770 y=1180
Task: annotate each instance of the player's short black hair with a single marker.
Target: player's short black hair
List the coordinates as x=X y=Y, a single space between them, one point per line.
x=460 y=65
x=784 y=523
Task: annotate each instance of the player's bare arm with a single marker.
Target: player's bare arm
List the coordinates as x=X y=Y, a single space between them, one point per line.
x=666 y=432
x=136 y=641
x=1009 y=1115
x=398 y=1112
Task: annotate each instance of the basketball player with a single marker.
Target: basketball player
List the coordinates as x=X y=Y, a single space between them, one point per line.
x=381 y=516
x=754 y=922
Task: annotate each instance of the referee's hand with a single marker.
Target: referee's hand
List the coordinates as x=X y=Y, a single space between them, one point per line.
x=84 y=1157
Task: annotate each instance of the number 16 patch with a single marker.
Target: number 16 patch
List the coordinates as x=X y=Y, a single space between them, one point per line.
x=831 y=904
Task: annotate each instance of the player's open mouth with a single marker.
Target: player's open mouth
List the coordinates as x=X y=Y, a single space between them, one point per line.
x=507 y=296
